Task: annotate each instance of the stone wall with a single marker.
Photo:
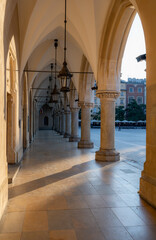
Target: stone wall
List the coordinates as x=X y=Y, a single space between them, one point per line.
x=3 y=163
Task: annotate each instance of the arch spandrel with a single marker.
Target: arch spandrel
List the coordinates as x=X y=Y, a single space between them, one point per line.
x=86 y=81
x=115 y=33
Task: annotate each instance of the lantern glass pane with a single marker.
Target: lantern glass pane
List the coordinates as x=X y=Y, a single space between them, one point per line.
x=63 y=82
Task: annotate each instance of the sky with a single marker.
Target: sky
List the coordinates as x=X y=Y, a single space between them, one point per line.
x=135 y=46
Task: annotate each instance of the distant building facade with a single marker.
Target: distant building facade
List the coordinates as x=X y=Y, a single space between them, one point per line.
x=136 y=91
x=133 y=89
x=121 y=101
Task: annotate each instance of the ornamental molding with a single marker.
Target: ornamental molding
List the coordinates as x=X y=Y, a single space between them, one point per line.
x=107 y=94
x=86 y=104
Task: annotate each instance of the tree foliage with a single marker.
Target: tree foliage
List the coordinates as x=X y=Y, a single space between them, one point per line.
x=135 y=112
x=119 y=113
x=97 y=116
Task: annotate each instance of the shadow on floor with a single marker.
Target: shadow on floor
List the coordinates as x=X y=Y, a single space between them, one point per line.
x=42 y=182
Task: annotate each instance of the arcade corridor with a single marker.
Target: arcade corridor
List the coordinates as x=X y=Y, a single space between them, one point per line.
x=61 y=193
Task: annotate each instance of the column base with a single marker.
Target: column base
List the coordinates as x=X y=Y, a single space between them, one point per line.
x=107 y=156
x=85 y=144
x=74 y=139
x=12 y=156
x=66 y=135
x=148 y=189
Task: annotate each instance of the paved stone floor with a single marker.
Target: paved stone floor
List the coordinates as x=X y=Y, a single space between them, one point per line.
x=61 y=193
x=131 y=143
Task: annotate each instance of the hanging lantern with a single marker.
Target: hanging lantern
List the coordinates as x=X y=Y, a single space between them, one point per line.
x=64 y=75
x=51 y=102
x=55 y=95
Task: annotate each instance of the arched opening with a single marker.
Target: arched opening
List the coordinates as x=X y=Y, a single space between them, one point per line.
x=46 y=121
x=131 y=104
x=45 y=118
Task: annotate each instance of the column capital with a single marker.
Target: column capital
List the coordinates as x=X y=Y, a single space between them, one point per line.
x=86 y=104
x=104 y=94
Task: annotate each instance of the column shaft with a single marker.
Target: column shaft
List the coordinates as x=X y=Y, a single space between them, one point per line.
x=85 y=141
x=63 y=124
x=107 y=145
x=67 y=124
x=74 y=125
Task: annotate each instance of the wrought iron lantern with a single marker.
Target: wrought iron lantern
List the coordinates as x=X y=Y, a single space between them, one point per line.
x=55 y=93
x=50 y=103
x=65 y=75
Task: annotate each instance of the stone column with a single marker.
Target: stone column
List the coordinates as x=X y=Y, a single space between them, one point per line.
x=62 y=123
x=30 y=118
x=60 y=129
x=67 y=124
x=148 y=178
x=85 y=141
x=25 y=128
x=36 y=120
x=53 y=125
x=57 y=122
x=74 y=125
x=11 y=153
x=107 y=151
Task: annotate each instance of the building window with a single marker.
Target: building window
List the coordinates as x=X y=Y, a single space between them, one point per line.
x=121 y=101
x=121 y=94
x=46 y=121
x=140 y=100
x=130 y=99
x=139 y=90
x=131 y=89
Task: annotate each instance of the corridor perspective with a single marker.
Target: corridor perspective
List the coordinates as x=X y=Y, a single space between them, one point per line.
x=56 y=57
x=62 y=193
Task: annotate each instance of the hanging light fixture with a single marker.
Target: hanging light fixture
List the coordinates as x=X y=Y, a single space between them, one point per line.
x=51 y=102
x=55 y=93
x=65 y=75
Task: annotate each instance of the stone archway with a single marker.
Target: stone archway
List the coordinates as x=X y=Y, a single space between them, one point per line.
x=114 y=37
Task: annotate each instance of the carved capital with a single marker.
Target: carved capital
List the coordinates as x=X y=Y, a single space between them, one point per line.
x=86 y=104
x=113 y=95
